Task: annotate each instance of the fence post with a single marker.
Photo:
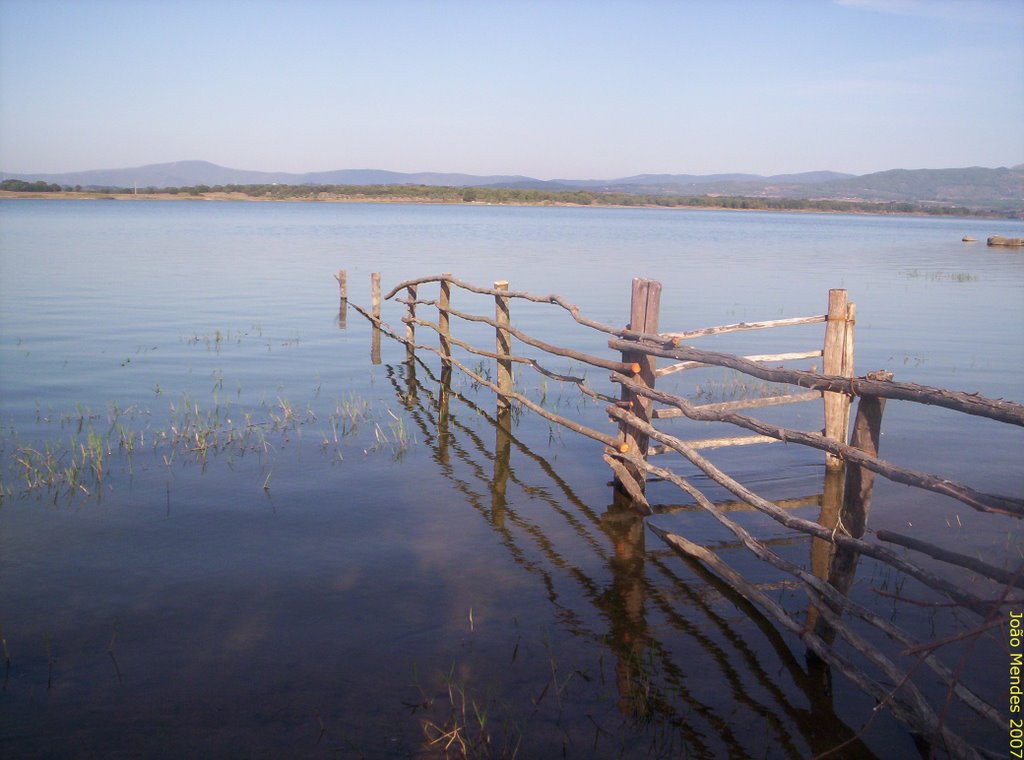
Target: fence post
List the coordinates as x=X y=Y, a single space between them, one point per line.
x=410 y=327
x=645 y=302
x=375 y=313
x=443 y=328
x=837 y=360
x=342 y=279
x=503 y=346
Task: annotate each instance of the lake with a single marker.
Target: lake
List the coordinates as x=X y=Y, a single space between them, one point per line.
x=226 y=532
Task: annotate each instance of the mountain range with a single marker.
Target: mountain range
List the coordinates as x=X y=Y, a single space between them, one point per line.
x=973 y=187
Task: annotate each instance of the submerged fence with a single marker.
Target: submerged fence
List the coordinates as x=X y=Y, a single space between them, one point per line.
x=851 y=456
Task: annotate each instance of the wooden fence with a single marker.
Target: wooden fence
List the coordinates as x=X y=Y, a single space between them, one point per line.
x=838 y=537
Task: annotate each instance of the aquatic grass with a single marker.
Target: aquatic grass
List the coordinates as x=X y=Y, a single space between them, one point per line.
x=348 y=415
x=397 y=439
x=734 y=386
x=57 y=470
x=81 y=465
x=94 y=453
x=126 y=442
x=939 y=276
x=81 y=417
x=217 y=339
x=462 y=719
x=466 y=728
x=347 y=418
x=482 y=369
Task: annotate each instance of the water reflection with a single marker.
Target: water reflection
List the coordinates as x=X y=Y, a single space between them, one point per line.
x=683 y=668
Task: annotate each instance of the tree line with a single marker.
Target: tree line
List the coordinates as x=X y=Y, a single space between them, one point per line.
x=440 y=194
x=21 y=186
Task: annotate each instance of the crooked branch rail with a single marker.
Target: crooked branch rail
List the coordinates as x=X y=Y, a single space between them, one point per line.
x=855 y=462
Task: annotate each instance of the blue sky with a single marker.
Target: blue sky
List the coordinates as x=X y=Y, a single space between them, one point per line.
x=547 y=89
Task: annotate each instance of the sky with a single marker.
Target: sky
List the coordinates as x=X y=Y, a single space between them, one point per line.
x=554 y=89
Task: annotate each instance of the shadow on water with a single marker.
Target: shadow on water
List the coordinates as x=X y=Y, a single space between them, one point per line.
x=657 y=615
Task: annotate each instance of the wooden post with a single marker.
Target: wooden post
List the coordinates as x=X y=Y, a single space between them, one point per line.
x=443 y=328
x=837 y=360
x=503 y=346
x=446 y=369
x=375 y=313
x=342 y=279
x=851 y=321
x=645 y=304
x=375 y=295
x=410 y=327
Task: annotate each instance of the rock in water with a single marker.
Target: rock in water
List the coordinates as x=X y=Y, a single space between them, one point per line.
x=1000 y=240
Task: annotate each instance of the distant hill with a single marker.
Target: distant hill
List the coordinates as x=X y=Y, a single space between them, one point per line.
x=1000 y=189
x=190 y=173
x=973 y=186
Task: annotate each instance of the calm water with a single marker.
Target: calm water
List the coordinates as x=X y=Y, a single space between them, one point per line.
x=345 y=566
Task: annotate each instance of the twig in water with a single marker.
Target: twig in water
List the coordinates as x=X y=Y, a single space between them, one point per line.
x=113 y=659
x=7 y=662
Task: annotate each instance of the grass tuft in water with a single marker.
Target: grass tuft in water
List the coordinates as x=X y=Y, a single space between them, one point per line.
x=81 y=465
x=915 y=274
x=735 y=386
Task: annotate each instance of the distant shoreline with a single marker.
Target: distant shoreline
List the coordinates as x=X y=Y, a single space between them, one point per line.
x=216 y=196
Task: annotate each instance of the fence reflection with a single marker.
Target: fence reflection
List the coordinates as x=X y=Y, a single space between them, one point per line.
x=635 y=585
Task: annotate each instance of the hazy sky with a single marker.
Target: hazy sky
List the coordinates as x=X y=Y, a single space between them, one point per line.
x=548 y=89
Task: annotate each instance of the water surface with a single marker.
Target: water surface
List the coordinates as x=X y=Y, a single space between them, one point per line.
x=307 y=588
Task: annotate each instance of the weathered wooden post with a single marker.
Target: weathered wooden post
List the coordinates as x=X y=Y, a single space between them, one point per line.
x=375 y=313
x=444 y=330
x=375 y=295
x=837 y=360
x=443 y=327
x=410 y=326
x=503 y=347
x=342 y=279
x=645 y=303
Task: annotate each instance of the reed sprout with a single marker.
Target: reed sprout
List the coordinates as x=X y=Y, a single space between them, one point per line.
x=192 y=432
x=734 y=386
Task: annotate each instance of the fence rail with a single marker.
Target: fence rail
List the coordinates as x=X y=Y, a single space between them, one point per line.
x=852 y=462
